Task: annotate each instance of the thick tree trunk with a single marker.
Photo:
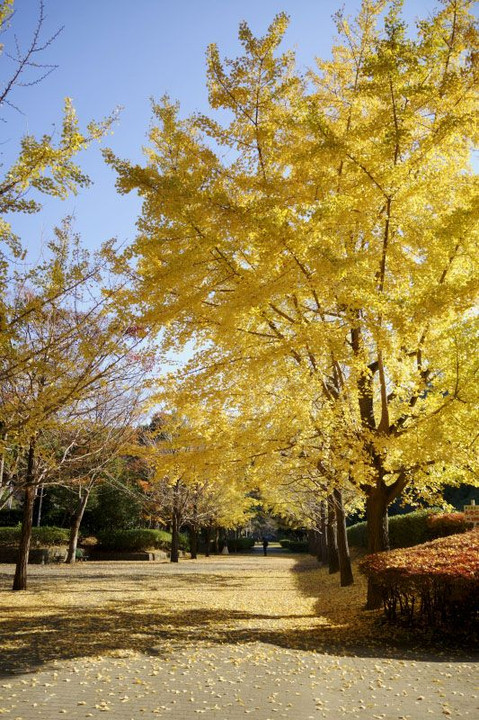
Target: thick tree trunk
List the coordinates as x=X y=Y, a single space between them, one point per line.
x=75 y=528
x=377 y=534
x=208 y=540
x=345 y=569
x=333 y=557
x=193 y=542
x=175 y=539
x=324 y=534
x=20 y=579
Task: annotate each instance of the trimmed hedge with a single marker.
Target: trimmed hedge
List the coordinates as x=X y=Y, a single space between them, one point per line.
x=41 y=536
x=412 y=529
x=138 y=540
x=298 y=546
x=242 y=544
x=445 y=524
x=295 y=546
x=436 y=583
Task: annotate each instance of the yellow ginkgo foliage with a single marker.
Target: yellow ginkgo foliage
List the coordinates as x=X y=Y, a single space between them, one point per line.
x=317 y=242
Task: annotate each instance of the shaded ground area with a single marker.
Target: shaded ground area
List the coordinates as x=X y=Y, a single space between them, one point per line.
x=225 y=636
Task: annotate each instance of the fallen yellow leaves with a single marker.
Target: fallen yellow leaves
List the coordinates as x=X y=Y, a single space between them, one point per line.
x=127 y=608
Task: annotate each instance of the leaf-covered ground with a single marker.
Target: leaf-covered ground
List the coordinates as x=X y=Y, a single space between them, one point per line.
x=225 y=636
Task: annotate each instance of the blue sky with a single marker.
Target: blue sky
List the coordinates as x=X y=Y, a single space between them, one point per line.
x=118 y=53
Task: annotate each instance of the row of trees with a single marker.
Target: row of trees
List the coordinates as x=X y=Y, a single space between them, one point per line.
x=315 y=243
x=71 y=368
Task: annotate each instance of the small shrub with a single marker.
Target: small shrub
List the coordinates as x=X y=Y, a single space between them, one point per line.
x=436 y=583
x=285 y=543
x=138 y=540
x=41 y=537
x=241 y=544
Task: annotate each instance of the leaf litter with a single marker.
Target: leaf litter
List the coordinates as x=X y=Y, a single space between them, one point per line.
x=222 y=637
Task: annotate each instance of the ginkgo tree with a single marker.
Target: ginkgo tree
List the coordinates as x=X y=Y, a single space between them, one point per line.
x=317 y=243
x=45 y=165
x=68 y=354
x=185 y=484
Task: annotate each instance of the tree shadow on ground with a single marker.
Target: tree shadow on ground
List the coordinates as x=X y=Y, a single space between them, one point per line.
x=57 y=629
x=368 y=633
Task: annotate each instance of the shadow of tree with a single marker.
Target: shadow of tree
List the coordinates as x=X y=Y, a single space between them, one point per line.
x=368 y=633
x=72 y=620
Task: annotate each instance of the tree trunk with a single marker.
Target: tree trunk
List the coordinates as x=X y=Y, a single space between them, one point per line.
x=75 y=528
x=20 y=579
x=208 y=540
x=333 y=557
x=345 y=569
x=193 y=542
x=377 y=534
x=175 y=540
x=324 y=538
x=2 y=463
x=216 y=541
x=39 y=495
x=314 y=543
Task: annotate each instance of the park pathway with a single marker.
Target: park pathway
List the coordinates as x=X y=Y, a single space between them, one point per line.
x=223 y=638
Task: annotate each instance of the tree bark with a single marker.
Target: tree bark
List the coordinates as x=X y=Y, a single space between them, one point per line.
x=377 y=534
x=175 y=540
x=39 y=495
x=312 y=536
x=20 y=579
x=75 y=528
x=345 y=569
x=208 y=540
x=333 y=557
x=324 y=538
x=193 y=542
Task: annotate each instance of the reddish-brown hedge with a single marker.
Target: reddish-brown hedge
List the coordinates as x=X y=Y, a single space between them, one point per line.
x=444 y=524
x=437 y=582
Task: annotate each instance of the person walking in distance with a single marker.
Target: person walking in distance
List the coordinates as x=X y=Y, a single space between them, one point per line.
x=265 y=545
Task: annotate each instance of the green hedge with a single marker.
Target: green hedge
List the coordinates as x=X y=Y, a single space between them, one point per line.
x=241 y=544
x=41 y=537
x=295 y=546
x=404 y=530
x=138 y=540
x=298 y=546
x=184 y=541
x=412 y=529
x=357 y=535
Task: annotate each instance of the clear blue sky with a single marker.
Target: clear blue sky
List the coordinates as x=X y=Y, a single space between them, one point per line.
x=118 y=52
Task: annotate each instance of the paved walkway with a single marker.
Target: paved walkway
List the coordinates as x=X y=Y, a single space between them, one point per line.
x=224 y=638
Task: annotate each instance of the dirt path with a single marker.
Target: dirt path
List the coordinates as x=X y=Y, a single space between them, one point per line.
x=223 y=637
